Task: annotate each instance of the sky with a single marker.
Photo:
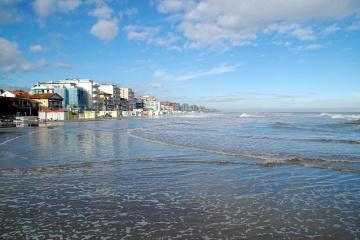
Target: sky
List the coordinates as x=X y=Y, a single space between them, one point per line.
x=228 y=54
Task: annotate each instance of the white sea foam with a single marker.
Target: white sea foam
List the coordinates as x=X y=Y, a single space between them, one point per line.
x=350 y=117
x=9 y=140
x=200 y=115
x=248 y=115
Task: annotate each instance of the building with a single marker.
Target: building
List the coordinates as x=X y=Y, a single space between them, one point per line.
x=74 y=97
x=51 y=101
x=127 y=93
x=167 y=107
x=124 y=104
x=114 y=91
x=150 y=104
x=177 y=107
x=106 y=102
x=91 y=88
x=185 y=107
x=139 y=103
x=18 y=102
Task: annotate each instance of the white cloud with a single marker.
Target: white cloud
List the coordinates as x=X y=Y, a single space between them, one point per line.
x=12 y=60
x=62 y=65
x=140 y=33
x=102 y=11
x=354 y=26
x=167 y=6
x=67 y=5
x=331 y=29
x=44 y=8
x=105 y=30
x=36 y=48
x=106 y=26
x=212 y=23
x=308 y=47
x=162 y=74
x=150 y=35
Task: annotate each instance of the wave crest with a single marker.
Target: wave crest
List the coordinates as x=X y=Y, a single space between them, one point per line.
x=349 y=117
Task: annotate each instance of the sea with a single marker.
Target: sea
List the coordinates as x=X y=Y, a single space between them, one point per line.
x=232 y=175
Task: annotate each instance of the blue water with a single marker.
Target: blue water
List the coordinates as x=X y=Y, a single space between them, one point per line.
x=311 y=139
x=210 y=176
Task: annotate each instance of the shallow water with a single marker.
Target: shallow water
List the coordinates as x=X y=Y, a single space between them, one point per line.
x=210 y=176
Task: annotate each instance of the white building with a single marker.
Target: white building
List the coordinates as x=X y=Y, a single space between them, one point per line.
x=152 y=104
x=90 y=87
x=126 y=93
x=113 y=90
x=74 y=96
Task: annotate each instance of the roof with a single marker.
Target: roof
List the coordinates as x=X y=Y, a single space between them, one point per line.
x=46 y=96
x=20 y=93
x=170 y=104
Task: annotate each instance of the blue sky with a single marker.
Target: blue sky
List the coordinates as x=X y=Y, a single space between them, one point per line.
x=229 y=54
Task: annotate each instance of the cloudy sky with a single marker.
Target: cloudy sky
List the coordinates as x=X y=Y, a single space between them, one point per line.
x=228 y=54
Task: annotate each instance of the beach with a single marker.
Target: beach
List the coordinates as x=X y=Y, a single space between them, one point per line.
x=194 y=176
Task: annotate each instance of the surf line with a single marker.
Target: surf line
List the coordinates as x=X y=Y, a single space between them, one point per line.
x=12 y=139
x=9 y=140
x=219 y=152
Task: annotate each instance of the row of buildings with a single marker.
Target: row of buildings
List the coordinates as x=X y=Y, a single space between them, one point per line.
x=82 y=99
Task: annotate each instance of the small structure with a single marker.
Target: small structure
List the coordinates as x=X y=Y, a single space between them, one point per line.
x=18 y=102
x=50 y=101
x=53 y=115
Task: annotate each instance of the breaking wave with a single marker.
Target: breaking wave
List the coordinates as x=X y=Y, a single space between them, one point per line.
x=200 y=115
x=349 y=117
x=263 y=159
x=249 y=115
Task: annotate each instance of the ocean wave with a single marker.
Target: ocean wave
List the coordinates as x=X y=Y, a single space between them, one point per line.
x=326 y=140
x=200 y=115
x=247 y=115
x=349 y=117
x=289 y=126
x=265 y=160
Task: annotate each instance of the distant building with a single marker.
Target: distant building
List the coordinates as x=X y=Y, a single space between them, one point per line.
x=127 y=93
x=177 y=107
x=106 y=102
x=167 y=107
x=194 y=108
x=150 y=104
x=139 y=103
x=51 y=101
x=114 y=92
x=124 y=104
x=185 y=107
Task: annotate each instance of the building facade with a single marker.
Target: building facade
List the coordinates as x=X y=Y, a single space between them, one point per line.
x=74 y=97
x=51 y=101
x=91 y=88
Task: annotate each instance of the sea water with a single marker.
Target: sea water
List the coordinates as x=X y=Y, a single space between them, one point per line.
x=210 y=176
